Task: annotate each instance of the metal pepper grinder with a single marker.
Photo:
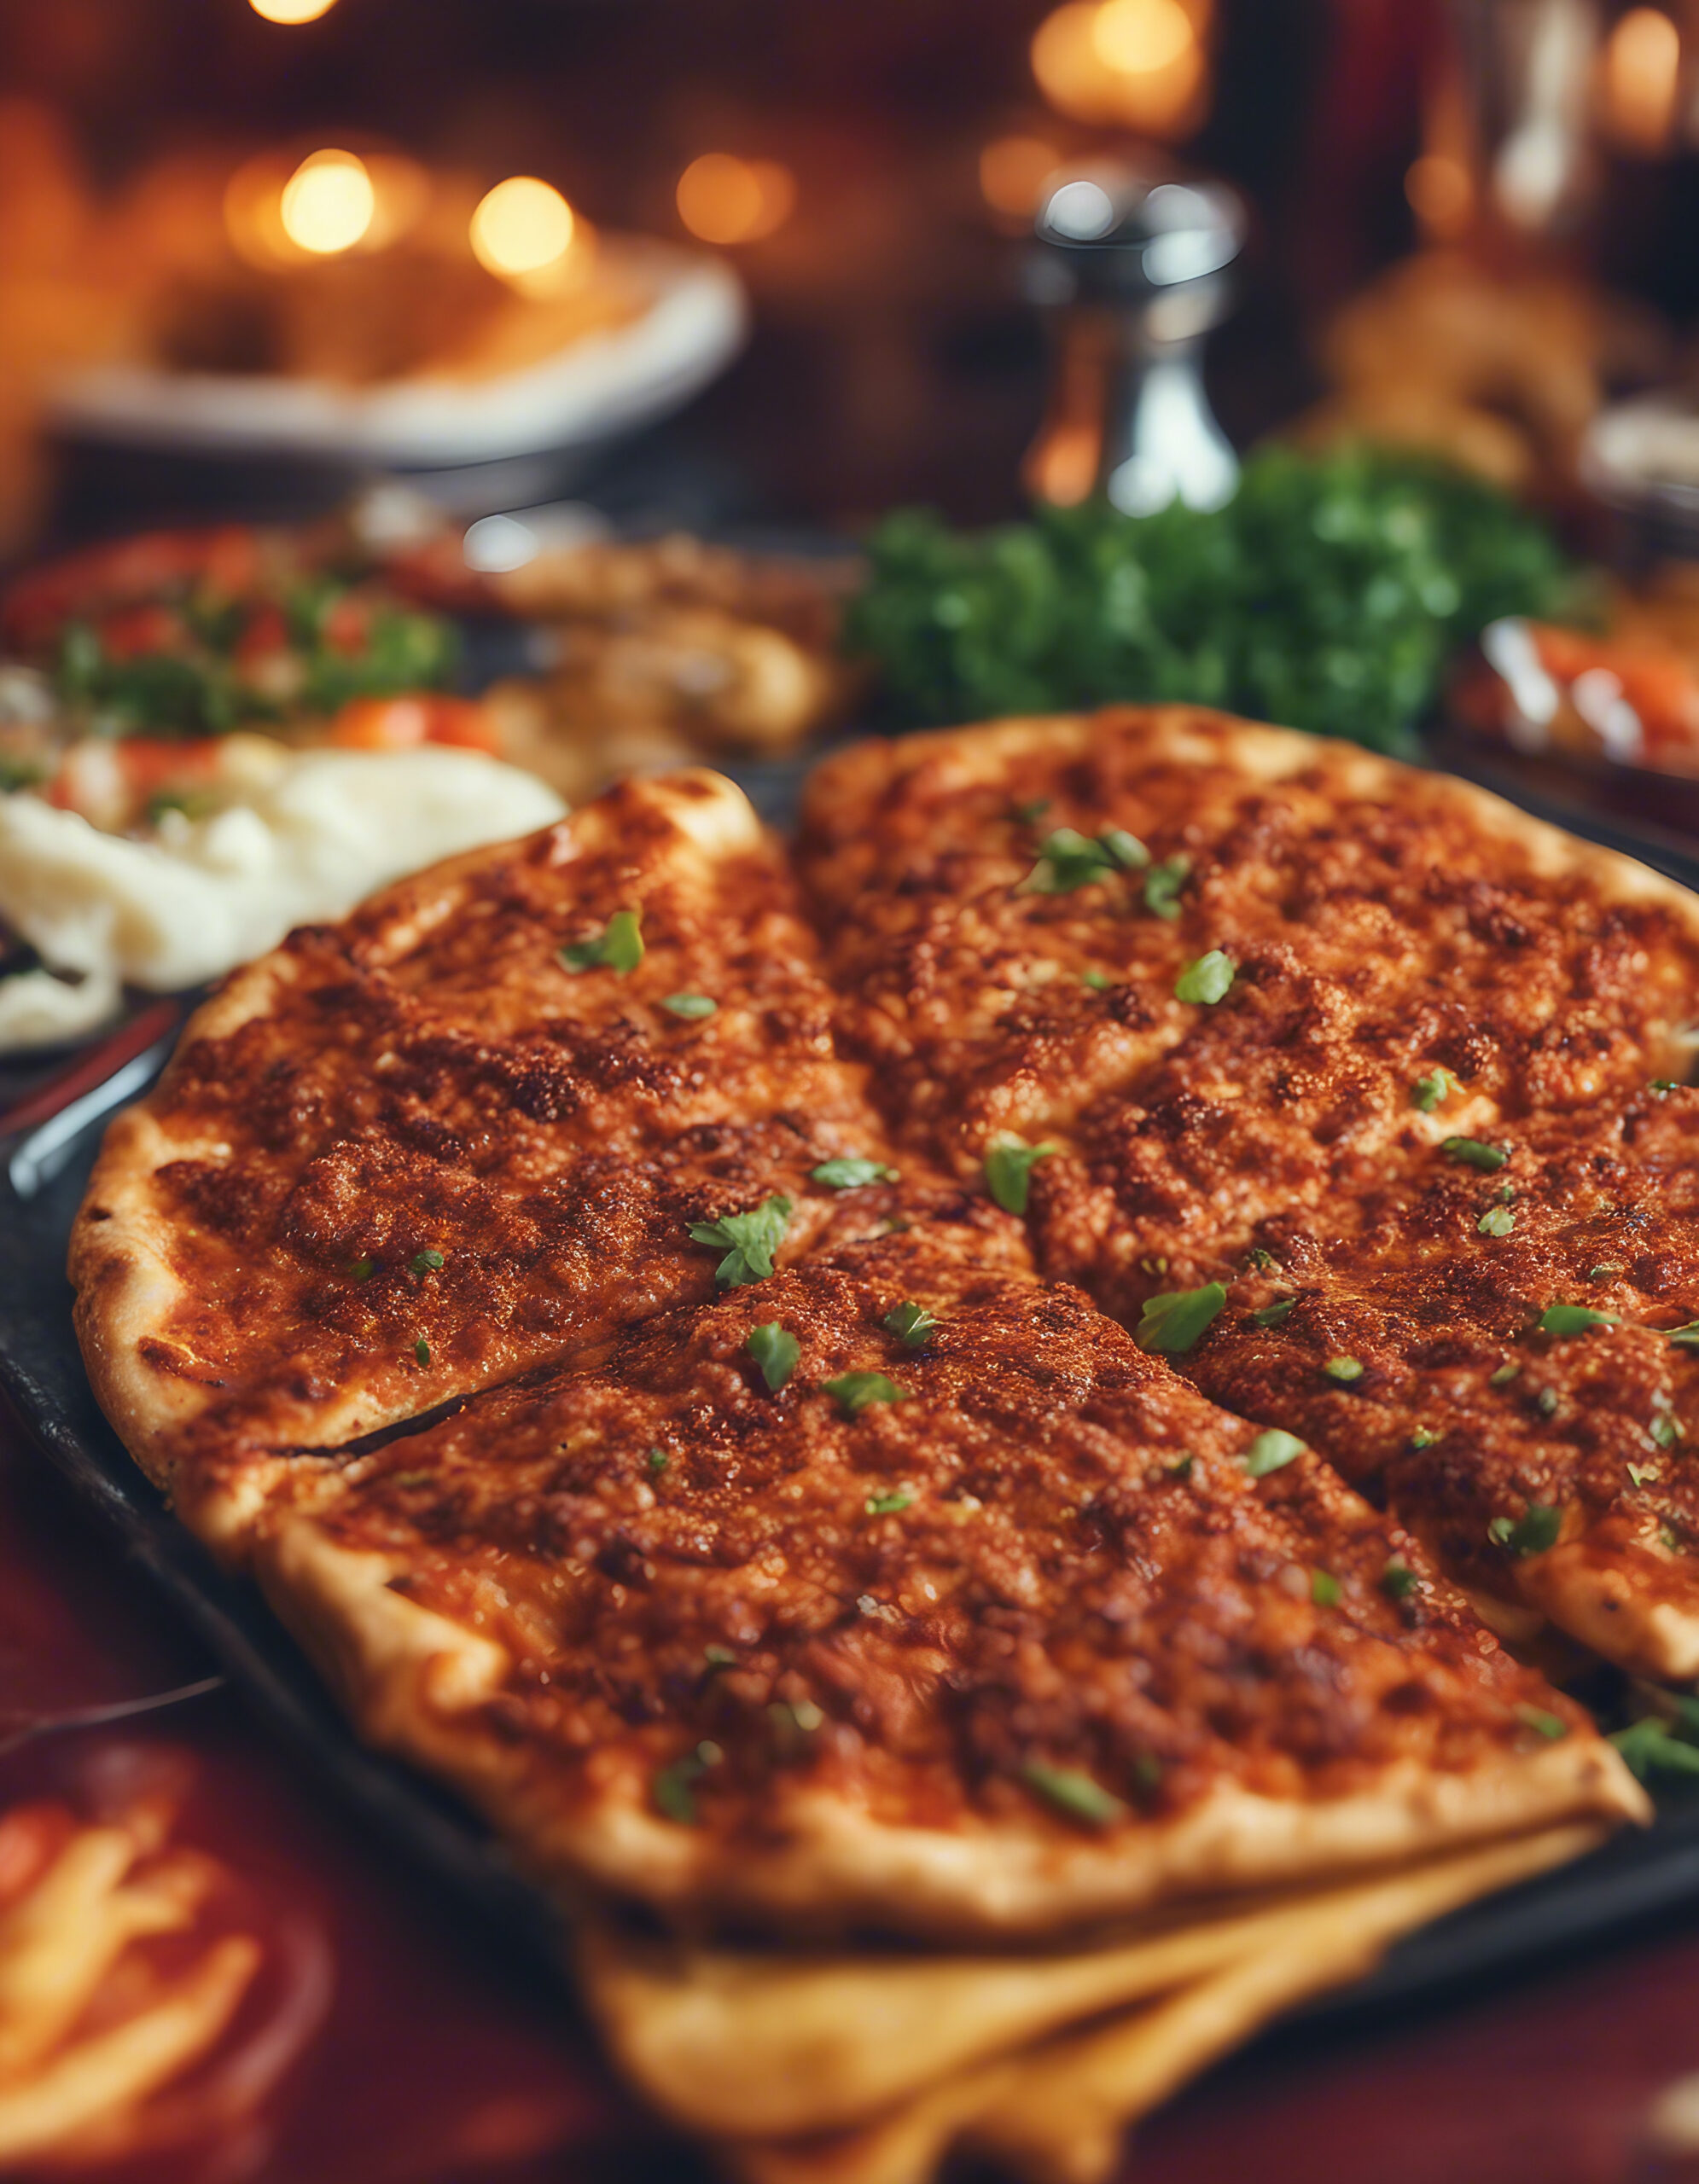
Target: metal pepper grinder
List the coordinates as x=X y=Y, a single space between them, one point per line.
x=1131 y=272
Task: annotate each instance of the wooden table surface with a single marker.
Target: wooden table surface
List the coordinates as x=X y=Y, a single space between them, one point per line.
x=441 y=2063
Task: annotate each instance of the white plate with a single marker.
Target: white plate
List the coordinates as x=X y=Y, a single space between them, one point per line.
x=599 y=385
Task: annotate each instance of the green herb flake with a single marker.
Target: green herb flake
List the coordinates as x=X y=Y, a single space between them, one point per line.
x=1603 y=1273
x=1549 y=1726
x=1641 y=1476
x=1182 y=1467
x=1651 y=1747
x=674 y=1786
x=1009 y=1171
x=1172 y=1322
x=1687 y=1337
x=1665 y=1429
x=421 y=1350
x=1669 y=1538
x=1474 y=1154
x=748 y=1240
x=1397 y=1580
x=1162 y=886
x=1505 y=1193
x=1073 y=1793
x=1662 y=1086
x=853 y=1175
x=1099 y=981
x=1124 y=849
x=719 y=1656
x=1270 y=1315
x=1207 y=980
x=1271 y=1450
x=692 y=1006
x=1504 y=1376
x=1261 y=1260
x=619 y=947
x=1432 y=1091
x=1546 y=1402
x=1424 y=1436
x=889 y=1505
x=1345 y=1369
x=1574 y=1319
x=775 y=1351
x=1533 y=1532
x=657 y=1462
x=909 y=1322
x=855 y=1391
x=1325 y=1589
x=1496 y=1221
x=411 y=1479
x=1068 y=859
x=361 y=1270
x=425 y=1262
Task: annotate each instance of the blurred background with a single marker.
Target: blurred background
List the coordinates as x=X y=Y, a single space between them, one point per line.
x=865 y=172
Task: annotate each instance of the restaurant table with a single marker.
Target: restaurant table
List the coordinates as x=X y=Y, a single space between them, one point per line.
x=440 y=2059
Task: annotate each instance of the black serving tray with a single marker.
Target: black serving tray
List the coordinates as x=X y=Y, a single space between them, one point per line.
x=1642 y=1876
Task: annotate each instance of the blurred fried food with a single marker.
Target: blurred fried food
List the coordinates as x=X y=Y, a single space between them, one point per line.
x=1503 y=373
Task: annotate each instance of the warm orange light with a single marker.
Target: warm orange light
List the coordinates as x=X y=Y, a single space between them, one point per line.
x=1137 y=37
x=1012 y=174
x=1134 y=64
x=1440 y=192
x=520 y=226
x=1642 y=68
x=327 y=203
x=292 y=11
x=725 y=200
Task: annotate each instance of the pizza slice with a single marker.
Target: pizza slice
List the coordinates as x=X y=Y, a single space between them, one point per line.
x=507 y=1107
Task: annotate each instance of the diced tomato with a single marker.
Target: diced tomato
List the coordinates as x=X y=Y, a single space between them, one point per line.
x=422 y=716
x=346 y=626
x=1661 y=686
x=267 y=634
x=125 y=570
x=134 y=631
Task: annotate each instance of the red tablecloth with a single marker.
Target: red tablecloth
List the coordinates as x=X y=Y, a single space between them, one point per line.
x=440 y=2062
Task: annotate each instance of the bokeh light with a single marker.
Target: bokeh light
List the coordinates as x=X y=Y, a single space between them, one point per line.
x=292 y=11
x=327 y=203
x=521 y=226
x=725 y=200
x=1642 y=72
x=1012 y=174
x=1132 y=64
x=1441 y=194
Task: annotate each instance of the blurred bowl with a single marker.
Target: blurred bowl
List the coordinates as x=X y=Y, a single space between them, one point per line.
x=688 y=319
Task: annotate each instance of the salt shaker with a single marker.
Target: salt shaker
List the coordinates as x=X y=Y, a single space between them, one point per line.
x=1130 y=271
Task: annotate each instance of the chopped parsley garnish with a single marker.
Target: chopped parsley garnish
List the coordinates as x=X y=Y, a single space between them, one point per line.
x=1641 y=1476
x=1099 y=981
x=1424 y=1436
x=1531 y=1533
x=1182 y=1466
x=1665 y=1429
x=852 y=1174
x=1270 y=1315
x=855 y=1391
x=909 y=1322
x=1688 y=1336
x=1574 y=1319
x=1655 y=1747
x=1504 y=1376
x=1009 y=1171
x=1669 y=1538
x=1397 y=1580
x=1604 y=1272
x=1474 y=1154
x=1162 y=886
x=361 y=1270
x=1324 y=1589
x=421 y=1350
x=1067 y=860
x=1207 y=980
x=1546 y=1402
x=1433 y=1090
x=889 y=1505
x=1073 y=1793
x=425 y=1262
x=775 y=1351
x=1271 y=1450
x=674 y=1784
x=689 y=1006
x=719 y=1656
x=1505 y=1193
x=1552 y=1725
x=1496 y=1221
x=657 y=1461
x=1260 y=1259
x=1172 y=1322
x=1663 y=1085
x=619 y=947
x=748 y=1240
x=1344 y=1369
